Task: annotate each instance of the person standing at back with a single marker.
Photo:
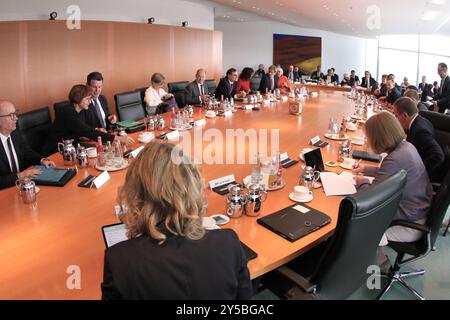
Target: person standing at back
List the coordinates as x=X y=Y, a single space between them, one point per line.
x=169 y=254
x=442 y=99
x=98 y=114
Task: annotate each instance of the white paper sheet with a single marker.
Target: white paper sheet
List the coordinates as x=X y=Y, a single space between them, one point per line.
x=337 y=185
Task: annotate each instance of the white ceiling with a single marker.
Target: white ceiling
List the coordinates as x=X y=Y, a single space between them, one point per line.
x=345 y=16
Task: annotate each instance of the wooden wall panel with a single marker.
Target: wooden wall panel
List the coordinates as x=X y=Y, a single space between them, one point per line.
x=41 y=60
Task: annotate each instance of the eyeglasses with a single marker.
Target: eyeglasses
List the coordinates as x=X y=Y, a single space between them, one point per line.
x=12 y=115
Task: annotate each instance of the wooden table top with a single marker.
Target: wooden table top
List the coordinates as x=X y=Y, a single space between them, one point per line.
x=40 y=242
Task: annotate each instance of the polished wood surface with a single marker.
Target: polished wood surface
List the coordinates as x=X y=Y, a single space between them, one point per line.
x=39 y=242
x=41 y=60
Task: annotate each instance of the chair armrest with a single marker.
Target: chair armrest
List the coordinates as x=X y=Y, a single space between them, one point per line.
x=435 y=186
x=297 y=279
x=411 y=225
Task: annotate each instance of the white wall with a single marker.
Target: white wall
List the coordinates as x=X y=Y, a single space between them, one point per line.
x=251 y=43
x=167 y=12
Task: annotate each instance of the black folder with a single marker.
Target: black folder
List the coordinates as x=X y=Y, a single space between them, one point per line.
x=294 y=222
x=358 y=154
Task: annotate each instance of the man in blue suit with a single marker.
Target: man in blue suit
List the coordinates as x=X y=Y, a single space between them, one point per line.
x=98 y=114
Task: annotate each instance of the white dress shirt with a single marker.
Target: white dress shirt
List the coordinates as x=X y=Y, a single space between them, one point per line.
x=153 y=97
x=6 y=148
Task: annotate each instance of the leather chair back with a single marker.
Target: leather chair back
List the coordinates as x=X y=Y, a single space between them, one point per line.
x=35 y=126
x=212 y=85
x=441 y=124
x=129 y=106
x=59 y=105
x=439 y=207
x=254 y=83
x=363 y=219
x=177 y=89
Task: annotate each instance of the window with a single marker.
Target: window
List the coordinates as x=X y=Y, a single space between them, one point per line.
x=401 y=63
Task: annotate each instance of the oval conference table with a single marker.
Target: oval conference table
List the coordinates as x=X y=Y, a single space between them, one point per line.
x=43 y=246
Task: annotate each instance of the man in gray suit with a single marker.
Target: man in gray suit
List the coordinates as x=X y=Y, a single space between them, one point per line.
x=197 y=91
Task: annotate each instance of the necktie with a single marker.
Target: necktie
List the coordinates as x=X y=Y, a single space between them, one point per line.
x=99 y=114
x=442 y=85
x=11 y=156
x=272 y=84
x=231 y=88
x=291 y=76
x=201 y=90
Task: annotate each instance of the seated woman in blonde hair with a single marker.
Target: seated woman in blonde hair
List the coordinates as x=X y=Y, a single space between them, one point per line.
x=169 y=255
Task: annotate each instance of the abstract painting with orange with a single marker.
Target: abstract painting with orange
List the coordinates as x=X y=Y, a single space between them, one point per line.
x=302 y=51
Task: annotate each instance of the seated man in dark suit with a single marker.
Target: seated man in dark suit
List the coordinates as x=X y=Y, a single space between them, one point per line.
x=354 y=79
x=317 y=75
x=330 y=77
x=368 y=82
x=98 y=115
x=270 y=80
x=289 y=73
x=227 y=87
x=336 y=76
x=297 y=74
x=442 y=100
x=414 y=95
x=197 y=91
x=15 y=153
x=420 y=133
x=392 y=92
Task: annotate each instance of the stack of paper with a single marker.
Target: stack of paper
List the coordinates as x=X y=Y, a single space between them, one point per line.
x=337 y=185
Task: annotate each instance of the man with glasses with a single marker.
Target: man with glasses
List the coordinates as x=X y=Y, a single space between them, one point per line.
x=442 y=100
x=15 y=153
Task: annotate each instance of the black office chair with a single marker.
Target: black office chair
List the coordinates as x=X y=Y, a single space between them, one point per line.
x=343 y=266
x=441 y=124
x=34 y=126
x=422 y=247
x=254 y=83
x=212 y=85
x=177 y=89
x=129 y=106
x=60 y=105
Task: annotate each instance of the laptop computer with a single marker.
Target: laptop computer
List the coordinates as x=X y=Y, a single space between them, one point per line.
x=314 y=159
x=115 y=233
x=295 y=221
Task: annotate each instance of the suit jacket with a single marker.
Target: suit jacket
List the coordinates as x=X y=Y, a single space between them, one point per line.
x=192 y=93
x=91 y=115
x=372 y=83
x=422 y=136
x=316 y=75
x=334 y=78
x=70 y=124
x=265 y=83
x=352 y=81
x=224 y=89
x=443 y=97
x=393 y=96
x=297 y=76
x=25 y=156
x=426 y=92
x=418 y=193
x=214 y=267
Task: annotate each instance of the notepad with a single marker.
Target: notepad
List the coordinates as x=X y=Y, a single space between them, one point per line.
x=49 y=174
x=337 y=185
x=128 y=124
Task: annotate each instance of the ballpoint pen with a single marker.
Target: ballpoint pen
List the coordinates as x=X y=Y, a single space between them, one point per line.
x=356 y=165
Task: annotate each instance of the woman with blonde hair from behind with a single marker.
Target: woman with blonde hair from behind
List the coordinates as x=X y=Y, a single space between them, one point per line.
x=169 y=254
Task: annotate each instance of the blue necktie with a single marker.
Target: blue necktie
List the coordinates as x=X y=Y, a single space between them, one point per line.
x=99 y=114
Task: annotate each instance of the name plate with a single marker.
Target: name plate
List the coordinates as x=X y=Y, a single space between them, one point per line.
x=200 y=122
x=101 y=179
x=136 y=151
x=284 y=99
x=247 y=107
x=315 y=140
x=267 y=101
x=284 y=156
x=174 y=135
x=314 y=94
x=222 y=181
